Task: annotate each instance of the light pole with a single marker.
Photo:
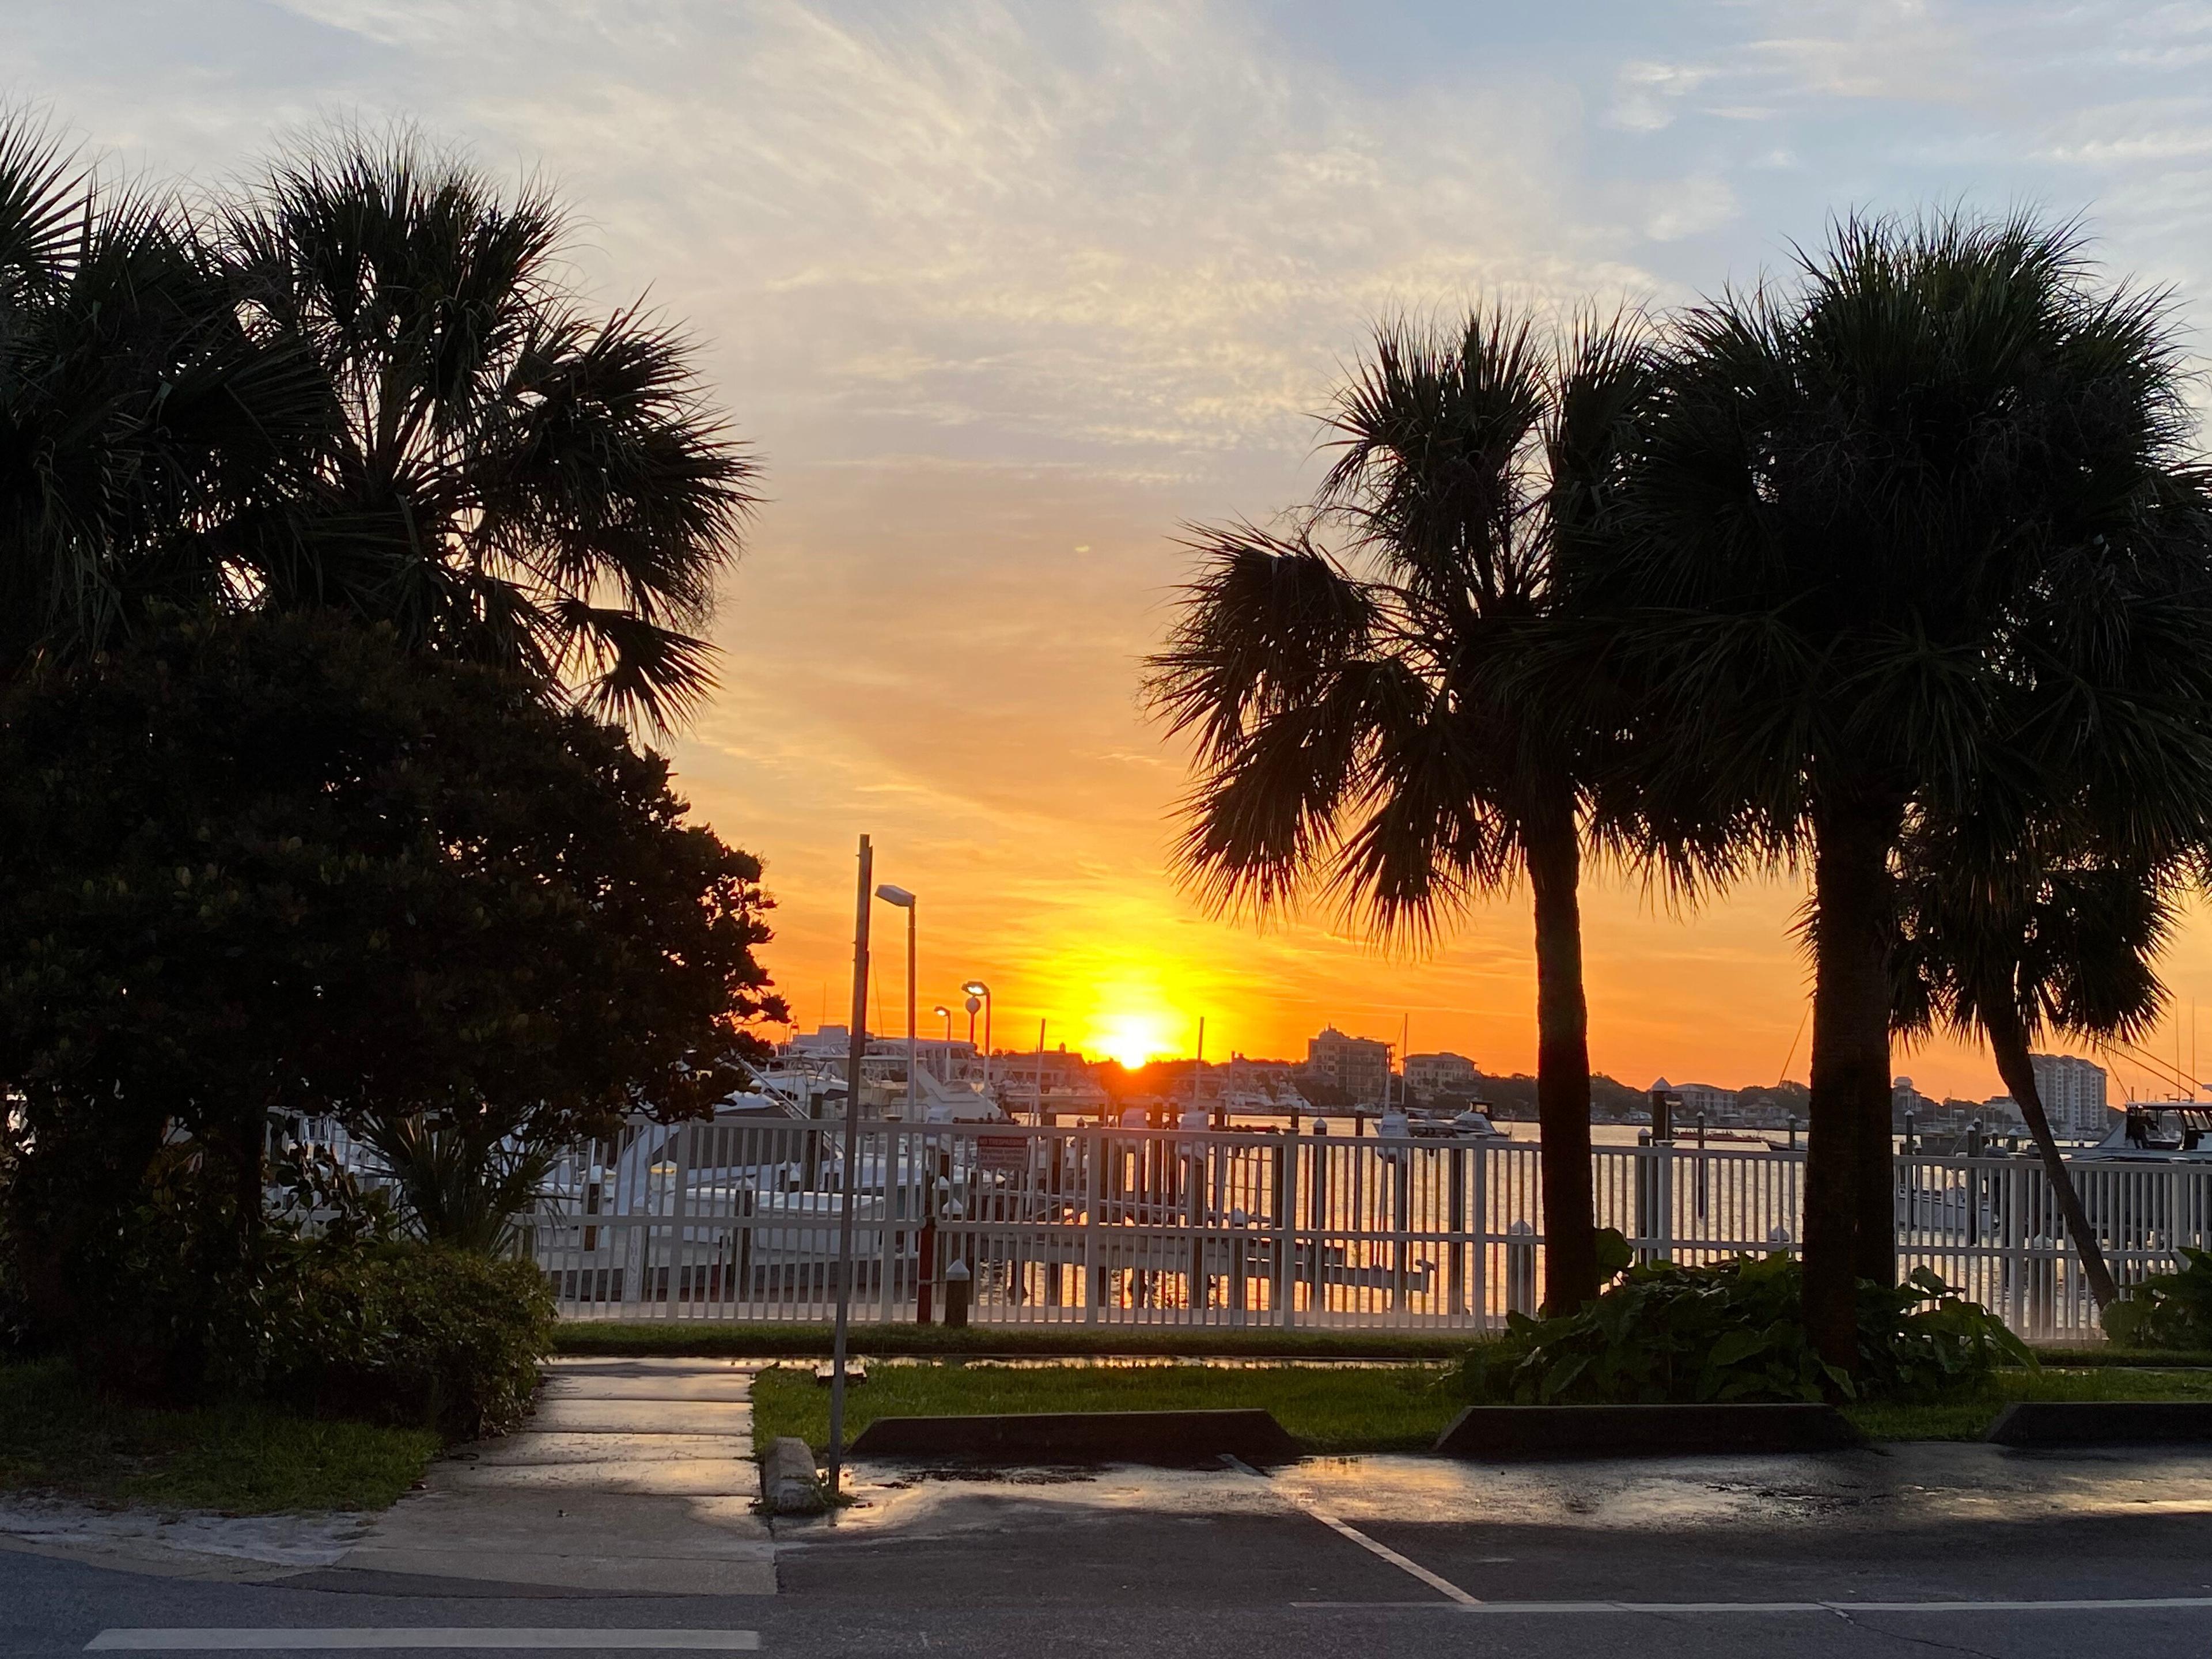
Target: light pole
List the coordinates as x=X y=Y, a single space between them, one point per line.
x=976 y=987
x=947 y=1075
x=854 y=1053
x=904 y=900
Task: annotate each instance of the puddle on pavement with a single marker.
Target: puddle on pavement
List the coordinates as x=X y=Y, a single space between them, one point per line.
x=1017 y=1477
x=1130 y=1362
x=1926 y=1484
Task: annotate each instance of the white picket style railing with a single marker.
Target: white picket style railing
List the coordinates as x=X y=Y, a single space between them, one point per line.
x=1115 y=1226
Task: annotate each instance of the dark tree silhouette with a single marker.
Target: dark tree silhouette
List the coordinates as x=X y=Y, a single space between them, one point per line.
x=1351 y=686
x=504 y=476
x=1919 y=534
x=2043 y=936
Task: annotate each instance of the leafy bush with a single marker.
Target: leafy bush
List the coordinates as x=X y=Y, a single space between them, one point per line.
x=412 y=1335
x=1734 y=1331
x=2166 y=1310
x=179 y=1304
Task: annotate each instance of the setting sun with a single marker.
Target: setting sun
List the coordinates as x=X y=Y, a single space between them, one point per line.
x=1133 y=1039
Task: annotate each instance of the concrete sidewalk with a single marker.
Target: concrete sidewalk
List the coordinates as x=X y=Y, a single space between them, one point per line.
x=633 y=1476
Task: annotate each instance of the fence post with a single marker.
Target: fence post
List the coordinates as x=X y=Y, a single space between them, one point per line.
x=1521 y=1268
x=1645 y=1170
x=1456 y=1224
x=886 y=1237
x=1198 y=1296
x=1401 y=1203
x=1480 y=1214
x=1286 y=1241
x=1094 y=1182
x=679 y=1208
x=1043 y=1208
x=1317 y=1217
x=2042 y=1287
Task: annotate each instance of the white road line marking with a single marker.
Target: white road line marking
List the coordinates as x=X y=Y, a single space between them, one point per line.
x=1442 y=1586
x=2110 y=1605
x=263 y=1637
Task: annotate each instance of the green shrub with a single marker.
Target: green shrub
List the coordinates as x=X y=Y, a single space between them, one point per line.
x=1733 y=1331
x=177 y=1304
x=2166 y=1310
x=414 y=1335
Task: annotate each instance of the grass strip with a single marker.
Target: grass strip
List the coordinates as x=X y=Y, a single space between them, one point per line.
x=1968 y=1417
x=700 y=1339
x=57 y=1437
x=1342 y=1409
x=1326 y=1408
x=2106 y=1355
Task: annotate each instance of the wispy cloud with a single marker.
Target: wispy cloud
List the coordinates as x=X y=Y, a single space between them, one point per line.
x=1007 y=289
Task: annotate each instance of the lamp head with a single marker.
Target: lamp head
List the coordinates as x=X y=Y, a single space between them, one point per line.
x=898 y=896
x=976 y=987
x=942 y=1012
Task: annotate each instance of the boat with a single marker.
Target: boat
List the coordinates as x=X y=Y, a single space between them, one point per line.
x=2153 y=1132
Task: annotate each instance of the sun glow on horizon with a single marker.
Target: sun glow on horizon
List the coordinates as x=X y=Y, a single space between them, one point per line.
x=1132 y=1038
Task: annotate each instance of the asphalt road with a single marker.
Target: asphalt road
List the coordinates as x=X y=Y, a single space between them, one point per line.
x=1967 y=1550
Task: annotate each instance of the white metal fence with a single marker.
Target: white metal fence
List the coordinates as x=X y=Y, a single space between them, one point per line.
x=1099 y=1226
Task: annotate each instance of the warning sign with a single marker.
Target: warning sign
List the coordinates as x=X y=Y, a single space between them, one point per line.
x=1002 y=1151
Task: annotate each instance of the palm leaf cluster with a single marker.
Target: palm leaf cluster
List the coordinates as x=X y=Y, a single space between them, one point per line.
x=363 y=383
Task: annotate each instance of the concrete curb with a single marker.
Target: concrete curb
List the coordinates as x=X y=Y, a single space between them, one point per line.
x=2101 y=1422
x=1509 y=1432
x=1165 y=1439
x=789 y=1485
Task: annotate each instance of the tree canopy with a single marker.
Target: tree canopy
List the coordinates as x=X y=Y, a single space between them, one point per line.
x=271 y=864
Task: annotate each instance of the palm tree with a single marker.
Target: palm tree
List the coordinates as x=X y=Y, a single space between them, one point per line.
x=1922 y=535
x=466 y=1185
x=504 y=476
x=1354 y=728
x=2046 y=935
x=136 y=413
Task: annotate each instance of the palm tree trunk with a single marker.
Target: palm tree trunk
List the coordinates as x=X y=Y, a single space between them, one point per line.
x=1562 y=1084
x=1850 y=1222
x=2008 y=1043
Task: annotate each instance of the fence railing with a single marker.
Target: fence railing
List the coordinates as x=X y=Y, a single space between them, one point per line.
x=1115 y=1226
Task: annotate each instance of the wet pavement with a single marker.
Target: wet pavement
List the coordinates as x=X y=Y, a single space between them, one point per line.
x=633 y=1476
x=1923 y=1484
x=1972 y=1548
x=623 y=1510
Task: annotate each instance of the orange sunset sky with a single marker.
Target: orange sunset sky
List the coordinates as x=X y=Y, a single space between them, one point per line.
x=1005 y=294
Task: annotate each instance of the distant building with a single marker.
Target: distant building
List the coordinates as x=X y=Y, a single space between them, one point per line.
x=1906 y=1100
x=2073 y=1092
x=1358 y=1066
x=1430 y=1075
x=1259 y=1085
x=1694 y=1097
x=1052 y=1078
x=2001 y=1116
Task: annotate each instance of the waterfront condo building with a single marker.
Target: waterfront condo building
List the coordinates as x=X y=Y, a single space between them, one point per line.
x=2073 y=1092
x=1358 y=1066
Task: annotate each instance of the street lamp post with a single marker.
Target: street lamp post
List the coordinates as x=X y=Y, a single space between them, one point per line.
x=946 y=1076
x=904 y=900
x=854 y=1053
x=976 y=987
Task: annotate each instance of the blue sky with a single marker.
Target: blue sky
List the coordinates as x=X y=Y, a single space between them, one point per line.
x=1005 y=294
